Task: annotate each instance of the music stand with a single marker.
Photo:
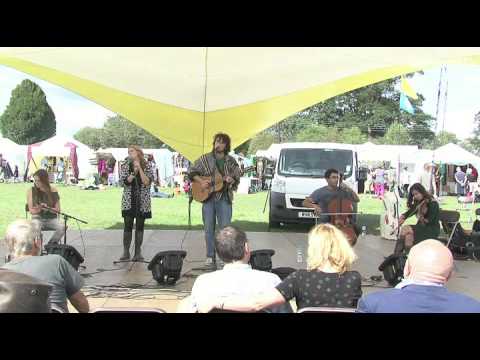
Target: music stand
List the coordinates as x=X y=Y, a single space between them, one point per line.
x=65 y=218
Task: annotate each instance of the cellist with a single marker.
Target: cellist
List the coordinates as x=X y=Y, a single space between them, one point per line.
x=321 y=197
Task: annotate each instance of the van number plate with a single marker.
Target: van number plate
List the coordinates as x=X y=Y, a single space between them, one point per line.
x=306 y=214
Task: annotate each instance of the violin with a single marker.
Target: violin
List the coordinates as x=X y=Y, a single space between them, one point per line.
x=340 y=207
x=422 y=209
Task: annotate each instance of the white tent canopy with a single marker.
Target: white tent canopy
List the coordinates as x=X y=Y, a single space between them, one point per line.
x=56 y=146
x=454 y=154
x=372 y=152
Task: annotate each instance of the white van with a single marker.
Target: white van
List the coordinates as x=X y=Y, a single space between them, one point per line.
x=300 y=170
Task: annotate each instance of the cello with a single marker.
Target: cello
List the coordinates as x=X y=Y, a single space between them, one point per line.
x=341 y=209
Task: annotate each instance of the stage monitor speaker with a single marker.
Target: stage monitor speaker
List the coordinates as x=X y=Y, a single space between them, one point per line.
x=262 y=259
x=68 y=252
x=166 y=266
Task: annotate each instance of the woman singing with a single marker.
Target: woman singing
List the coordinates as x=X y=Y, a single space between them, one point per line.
x=41 y=196
x=424 y=206
x=136 y=176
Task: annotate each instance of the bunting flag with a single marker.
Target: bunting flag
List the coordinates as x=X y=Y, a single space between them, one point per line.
x=405 y=104
x=407 y=89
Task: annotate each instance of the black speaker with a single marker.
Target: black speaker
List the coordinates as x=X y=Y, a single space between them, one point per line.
x=392 y=268
x=166 y=266
x=262 y=259
x=68 y=252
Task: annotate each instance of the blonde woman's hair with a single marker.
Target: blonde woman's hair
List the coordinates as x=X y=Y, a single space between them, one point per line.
x=21 y=236
x=328 y=245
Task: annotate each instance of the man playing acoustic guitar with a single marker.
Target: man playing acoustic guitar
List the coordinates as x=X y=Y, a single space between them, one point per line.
x=215 y=177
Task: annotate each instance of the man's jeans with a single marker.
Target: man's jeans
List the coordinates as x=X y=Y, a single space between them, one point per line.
x=212 y=211
x=54 y=224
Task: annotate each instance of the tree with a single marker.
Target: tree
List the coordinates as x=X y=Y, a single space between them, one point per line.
x=117 y=132
x=353 y=136
x=444 y=138
x=28 y=118
x=318 y=133
x=373 y=109
x=262 y=141
x=93 y=137
x=397 y=134
x=473 y=143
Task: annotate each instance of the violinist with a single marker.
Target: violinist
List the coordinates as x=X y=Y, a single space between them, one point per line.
x=426 y=208
x=321 y=197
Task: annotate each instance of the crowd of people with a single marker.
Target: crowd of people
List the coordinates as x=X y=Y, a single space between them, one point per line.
x=432 y=177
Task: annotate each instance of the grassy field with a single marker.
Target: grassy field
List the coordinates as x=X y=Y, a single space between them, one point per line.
x=101 y=209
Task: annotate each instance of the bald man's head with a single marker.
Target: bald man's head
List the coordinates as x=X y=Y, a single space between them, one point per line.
x=430 y=260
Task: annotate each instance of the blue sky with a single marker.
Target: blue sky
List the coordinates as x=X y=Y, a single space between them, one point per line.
x=74 y=112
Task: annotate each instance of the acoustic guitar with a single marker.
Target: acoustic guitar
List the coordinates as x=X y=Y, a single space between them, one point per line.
x=200 y=194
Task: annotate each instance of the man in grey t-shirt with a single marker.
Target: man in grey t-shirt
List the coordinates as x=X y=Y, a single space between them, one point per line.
x=24 y=243
x=320 y=198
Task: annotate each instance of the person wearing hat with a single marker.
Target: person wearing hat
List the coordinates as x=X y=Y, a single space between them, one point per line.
x=24 y=243
x=20 y=293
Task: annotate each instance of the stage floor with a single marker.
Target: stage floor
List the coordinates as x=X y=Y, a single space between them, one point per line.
x=132 y=285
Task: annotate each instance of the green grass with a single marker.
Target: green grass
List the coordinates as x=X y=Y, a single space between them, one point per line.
x=101 y=209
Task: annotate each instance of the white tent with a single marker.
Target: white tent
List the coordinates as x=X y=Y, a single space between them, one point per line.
x=15 y=154
x=57 y=146
x=455 y=155
x=372 y=152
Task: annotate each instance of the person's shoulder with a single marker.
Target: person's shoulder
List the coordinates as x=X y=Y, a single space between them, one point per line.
x=354 y=275
x=466 y=300
x=264 y=275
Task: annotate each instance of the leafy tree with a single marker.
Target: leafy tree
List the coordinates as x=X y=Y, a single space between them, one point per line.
x=261 y=142
x=28 y=118
x=92 y=137
x=397 y=134
x=318 y=133
x=118 y=132
x=353 y=136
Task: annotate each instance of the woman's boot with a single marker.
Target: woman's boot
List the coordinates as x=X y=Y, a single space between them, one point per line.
x=138 y=246
x=127 y=240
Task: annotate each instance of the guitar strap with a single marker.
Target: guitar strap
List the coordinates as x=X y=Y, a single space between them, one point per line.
x=209 y=171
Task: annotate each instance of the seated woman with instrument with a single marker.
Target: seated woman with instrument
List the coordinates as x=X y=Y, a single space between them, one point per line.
x=41 y=197
x=327 y=282
x=424 y=206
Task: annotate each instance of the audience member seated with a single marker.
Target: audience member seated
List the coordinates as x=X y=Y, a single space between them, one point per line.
x=326 y=282
x=20 y=293
x=24 y=243
x=236 y=278
x=428 y=268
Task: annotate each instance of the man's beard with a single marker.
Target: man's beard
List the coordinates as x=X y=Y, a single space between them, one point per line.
x=218 y=151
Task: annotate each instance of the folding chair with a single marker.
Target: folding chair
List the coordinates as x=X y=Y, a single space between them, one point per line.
x=449 y=220
x=324 y=309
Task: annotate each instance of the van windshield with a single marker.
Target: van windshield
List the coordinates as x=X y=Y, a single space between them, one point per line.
x=314 y=162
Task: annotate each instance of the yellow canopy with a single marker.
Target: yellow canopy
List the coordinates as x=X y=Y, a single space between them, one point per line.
x=185 y=95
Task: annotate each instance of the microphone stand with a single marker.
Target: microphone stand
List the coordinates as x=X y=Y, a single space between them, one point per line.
x=65 y=218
